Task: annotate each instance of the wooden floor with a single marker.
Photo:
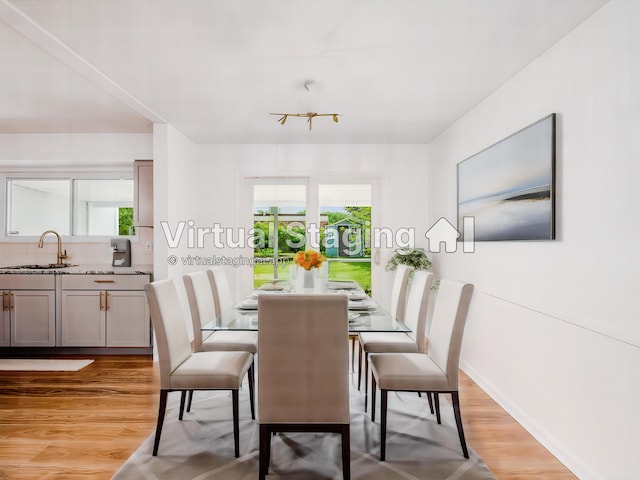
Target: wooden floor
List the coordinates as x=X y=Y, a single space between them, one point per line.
x=85 y=424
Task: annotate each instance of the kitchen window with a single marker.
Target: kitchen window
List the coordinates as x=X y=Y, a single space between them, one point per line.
x=79 y=206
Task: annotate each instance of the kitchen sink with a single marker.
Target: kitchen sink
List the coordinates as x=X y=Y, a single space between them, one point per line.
x=40 y=266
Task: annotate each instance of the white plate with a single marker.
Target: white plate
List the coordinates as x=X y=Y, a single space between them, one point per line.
x=342 y=285
x=248 y=304
x=362 y=305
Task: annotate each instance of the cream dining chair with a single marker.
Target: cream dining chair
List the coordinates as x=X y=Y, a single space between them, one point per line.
x=180 y=369
x=415 y=318
x=200 y=293
x=304 y=368
x=385 y=342
x=398 y=301
x=435 y=372
x=221 y=289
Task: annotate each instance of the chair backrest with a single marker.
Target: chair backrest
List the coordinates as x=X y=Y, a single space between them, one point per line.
x=221 y=290
x=417 y=305
x=447 y=327
x=304 y=358
x=399 y=291
x=201 y=304
x=169 y=325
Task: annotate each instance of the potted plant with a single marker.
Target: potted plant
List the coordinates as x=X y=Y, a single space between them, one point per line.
x=413 y=257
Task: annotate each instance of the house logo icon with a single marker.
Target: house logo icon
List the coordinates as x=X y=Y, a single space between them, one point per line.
x=443 y=232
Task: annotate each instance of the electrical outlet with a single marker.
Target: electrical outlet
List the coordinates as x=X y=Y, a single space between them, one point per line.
x=148 y=247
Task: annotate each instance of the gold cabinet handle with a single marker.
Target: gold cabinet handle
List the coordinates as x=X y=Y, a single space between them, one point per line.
x=100 y=301
x=11 y=301
x=106 y=300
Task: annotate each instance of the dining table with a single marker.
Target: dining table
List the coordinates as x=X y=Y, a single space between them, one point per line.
x=364 y=315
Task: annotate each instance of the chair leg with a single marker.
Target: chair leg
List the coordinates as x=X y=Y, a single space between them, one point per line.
x=359 y=364
x=251 y=390
x=183 y=396
x=374 y=387
x=430 y=400
x=265 y=442
x=436 y=401
x=353 y=352
x=456 y=411
x=346 y=453
x=383 y=424
x=189 y=399
x=236 y=425
x=366 y=379
x=161 y=409
x=271 y=433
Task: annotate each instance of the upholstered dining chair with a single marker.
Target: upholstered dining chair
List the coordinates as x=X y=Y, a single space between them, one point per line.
x=180 y=369
x=397 y=308
x=415 y=318
x=435 y=372
x=304 y=368
x=221 y=289
x=200 y=293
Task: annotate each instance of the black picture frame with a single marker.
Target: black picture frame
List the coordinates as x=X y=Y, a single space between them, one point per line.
x=507 y=191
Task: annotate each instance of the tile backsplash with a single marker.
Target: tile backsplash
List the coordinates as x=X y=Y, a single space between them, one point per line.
x=18 y=253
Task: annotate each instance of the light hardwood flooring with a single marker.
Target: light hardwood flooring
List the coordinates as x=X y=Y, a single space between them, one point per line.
x=85 y=424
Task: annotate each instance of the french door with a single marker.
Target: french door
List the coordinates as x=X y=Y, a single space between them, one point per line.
x=332 y=215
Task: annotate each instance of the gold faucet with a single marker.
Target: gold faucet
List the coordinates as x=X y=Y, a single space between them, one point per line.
x=61 y=255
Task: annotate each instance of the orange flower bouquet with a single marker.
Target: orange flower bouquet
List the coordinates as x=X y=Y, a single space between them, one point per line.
x=309 y=259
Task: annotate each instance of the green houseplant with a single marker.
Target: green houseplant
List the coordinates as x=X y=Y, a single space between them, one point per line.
x=413 y=257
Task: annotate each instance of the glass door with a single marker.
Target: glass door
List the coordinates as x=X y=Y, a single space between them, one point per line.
x=279 y=226
x=335 y=216
x=345 y=230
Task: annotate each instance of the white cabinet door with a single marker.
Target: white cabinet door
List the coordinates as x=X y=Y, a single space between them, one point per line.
x=143 y=195
x=33 y=318
x=127 y=319
x=5 y=321
x=83 y=318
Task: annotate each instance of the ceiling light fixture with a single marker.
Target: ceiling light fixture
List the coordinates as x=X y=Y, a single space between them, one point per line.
x=309 y=116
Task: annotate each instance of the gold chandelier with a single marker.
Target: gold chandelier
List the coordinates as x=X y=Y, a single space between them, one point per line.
x=310 y=116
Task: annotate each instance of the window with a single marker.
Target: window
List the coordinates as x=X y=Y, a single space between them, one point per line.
x=71 y=206
x=279 y=223
x=345 y=218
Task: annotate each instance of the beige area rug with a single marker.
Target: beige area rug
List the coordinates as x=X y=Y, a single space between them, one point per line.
x=43 y=365
x=201 y=446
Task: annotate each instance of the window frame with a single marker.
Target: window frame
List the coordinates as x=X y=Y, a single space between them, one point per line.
x=71 y=175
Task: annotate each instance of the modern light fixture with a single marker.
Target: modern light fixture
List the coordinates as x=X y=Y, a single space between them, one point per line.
x=309 y=116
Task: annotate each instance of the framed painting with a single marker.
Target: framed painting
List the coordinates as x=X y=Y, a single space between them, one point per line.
x=507 y=191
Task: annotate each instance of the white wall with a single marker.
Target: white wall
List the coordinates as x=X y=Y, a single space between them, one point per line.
x=215 y=188
x=553 y=330
x=176 y=197
x=55 y=150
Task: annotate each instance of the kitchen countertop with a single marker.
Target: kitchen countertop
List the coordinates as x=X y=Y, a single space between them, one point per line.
x=104 y=269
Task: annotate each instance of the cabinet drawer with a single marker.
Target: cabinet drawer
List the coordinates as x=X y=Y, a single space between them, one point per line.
x=104 y=282
x=27 y=282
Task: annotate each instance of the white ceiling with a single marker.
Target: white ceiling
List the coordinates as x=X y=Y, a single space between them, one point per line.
x=398 y=71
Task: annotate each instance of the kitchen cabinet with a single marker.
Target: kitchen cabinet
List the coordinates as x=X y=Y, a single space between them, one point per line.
x=143 y=193
x=104 y=311
x=28 y=311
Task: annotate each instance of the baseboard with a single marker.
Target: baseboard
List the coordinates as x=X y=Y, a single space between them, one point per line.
x=17 y=352
x=542 y=435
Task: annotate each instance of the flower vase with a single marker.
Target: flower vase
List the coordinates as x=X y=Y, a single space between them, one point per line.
x=307 y=278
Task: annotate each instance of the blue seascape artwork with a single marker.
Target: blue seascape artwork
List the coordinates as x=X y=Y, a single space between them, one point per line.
x=508 y=188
